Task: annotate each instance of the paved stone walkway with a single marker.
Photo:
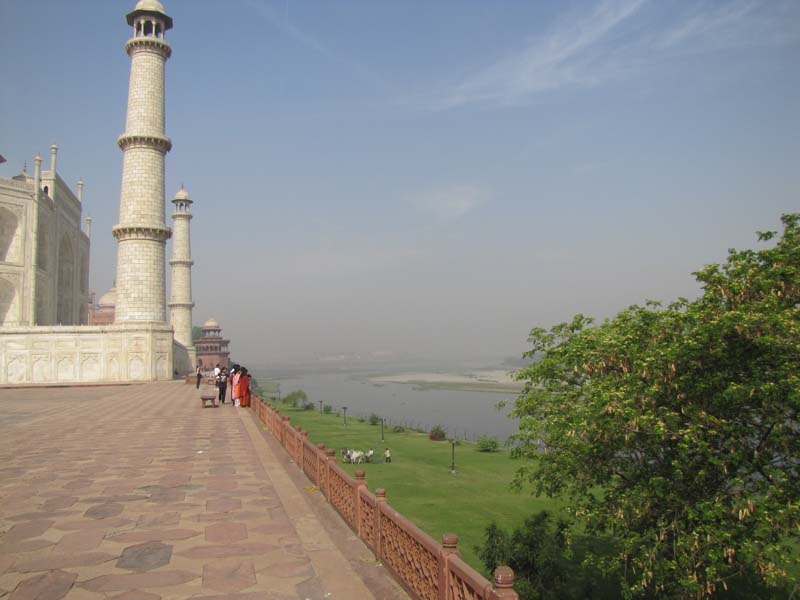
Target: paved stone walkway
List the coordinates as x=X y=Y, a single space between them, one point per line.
x=137 y=493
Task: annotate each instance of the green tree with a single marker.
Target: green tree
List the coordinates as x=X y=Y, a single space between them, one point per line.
x=197 y=332
x=674 y=430
x=495 y=548
x=538 y=553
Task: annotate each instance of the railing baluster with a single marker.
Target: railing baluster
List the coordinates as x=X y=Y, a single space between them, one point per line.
x=380 y=501
x=360 y=483
x=449 y=547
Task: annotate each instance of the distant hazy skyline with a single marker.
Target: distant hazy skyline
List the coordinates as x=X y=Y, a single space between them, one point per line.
x=426 y=178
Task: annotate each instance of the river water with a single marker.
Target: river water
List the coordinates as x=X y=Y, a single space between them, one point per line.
x=467 y=415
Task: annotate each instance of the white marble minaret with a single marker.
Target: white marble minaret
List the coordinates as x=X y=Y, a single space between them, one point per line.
x=142 y=232
x=180 y=301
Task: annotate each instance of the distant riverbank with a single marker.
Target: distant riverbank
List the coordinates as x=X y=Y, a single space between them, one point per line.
x=461 y=404
x=489 y=380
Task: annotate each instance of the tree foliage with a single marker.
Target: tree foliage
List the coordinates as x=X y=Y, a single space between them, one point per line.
x=674 y=429
x=537 y=551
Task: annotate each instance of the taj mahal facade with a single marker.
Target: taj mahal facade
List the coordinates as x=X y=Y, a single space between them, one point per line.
x=44 y=252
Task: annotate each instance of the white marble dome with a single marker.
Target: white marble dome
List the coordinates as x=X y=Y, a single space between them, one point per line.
x=151 y=5
x=182 y=194
x=211 y=324
x=109 y=299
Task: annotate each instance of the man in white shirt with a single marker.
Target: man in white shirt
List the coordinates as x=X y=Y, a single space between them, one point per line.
x=216 y=372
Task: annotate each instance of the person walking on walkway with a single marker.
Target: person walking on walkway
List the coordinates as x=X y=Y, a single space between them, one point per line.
x=199 y=373
x=222 y=384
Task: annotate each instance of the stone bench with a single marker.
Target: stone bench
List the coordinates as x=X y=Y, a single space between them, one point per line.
x=209 y=400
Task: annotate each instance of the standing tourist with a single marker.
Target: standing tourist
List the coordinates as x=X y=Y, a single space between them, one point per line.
x=216 y=371
x=222 y=384
x=244 y=388
x=235 y=385
x=199 y=373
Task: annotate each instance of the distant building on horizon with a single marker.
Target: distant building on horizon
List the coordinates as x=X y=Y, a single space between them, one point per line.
x=212 y=349
x=103 y=310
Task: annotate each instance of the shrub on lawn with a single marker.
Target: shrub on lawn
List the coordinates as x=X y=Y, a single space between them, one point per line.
x=308 y=406
x=296 y=398
x=398 y=429
x=438 y=433
x=488 y=444
x=374 y=419
x=327 y=409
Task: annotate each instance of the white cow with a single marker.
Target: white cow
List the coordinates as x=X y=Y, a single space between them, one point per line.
x=354 y=456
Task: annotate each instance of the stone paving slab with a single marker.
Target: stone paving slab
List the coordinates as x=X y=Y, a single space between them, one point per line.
x=137 y=493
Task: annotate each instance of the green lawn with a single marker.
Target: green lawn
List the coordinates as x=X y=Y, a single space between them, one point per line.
x=419 y=484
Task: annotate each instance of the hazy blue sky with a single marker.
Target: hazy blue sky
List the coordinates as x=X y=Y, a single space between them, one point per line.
x=427 y=177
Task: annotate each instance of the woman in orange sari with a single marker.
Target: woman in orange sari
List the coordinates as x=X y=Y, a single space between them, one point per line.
x=244 y=388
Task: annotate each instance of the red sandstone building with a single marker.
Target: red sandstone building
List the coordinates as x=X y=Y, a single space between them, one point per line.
x=212 y=349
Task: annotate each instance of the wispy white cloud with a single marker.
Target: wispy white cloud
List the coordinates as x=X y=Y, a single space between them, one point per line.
x=450 y=203
x=616 y=38
x=556 y=59
x=279 y=18
x=733 y=24
x=704 y=22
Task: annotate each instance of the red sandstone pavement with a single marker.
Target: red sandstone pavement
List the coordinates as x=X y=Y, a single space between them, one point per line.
x=137 y=493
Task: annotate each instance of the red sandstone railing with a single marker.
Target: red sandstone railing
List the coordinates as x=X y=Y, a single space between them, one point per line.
x=426 y=569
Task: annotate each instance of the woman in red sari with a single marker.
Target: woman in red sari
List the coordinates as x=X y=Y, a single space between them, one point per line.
x=244 y=388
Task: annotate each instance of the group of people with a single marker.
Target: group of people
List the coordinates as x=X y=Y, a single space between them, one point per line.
x=239 y=379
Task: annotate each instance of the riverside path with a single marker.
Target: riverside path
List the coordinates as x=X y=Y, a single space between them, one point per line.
x=137 y=493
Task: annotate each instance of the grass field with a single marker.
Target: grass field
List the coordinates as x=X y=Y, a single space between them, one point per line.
x=419 y=484
x=418 y=481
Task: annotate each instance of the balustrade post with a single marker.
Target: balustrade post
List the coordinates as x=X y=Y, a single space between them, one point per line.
x=303 y=438
x=284 y=430
x=360 y=483
x=380 y=502
x=330 y=457
x=449 y=548
x=504 y=584
x=320 y=458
